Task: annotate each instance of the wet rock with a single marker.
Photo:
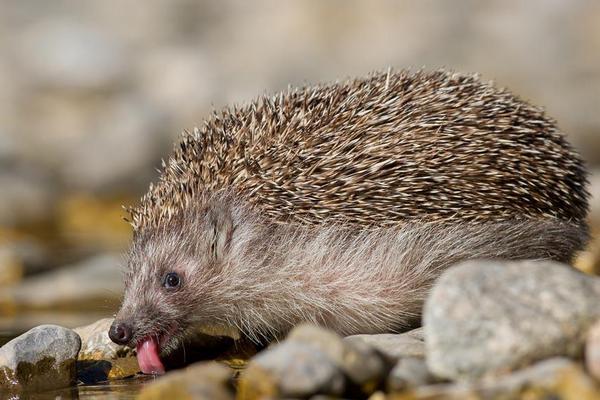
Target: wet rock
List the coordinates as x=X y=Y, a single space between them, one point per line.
x=89 y=285
x=359 y=361
x=483 y=317
x=42 y=358
x=206 y=380
x=409 y=372
x=555 y=378
x=394 y=346
x=290 y=369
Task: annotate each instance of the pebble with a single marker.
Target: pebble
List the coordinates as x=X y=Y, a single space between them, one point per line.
x=42 y=358
x=290 y=370
x=553 y=378
x=485 y=317
x=394 y=346
x=409 y=372
x=358 y=360
x=200 y=381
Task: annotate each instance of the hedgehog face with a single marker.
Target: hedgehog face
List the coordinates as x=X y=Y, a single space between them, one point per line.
x=173 y=272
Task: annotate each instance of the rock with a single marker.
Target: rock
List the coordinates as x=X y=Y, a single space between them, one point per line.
x=88 y=285
x=554 y=378
x=42 y=358
x=408 y=373
x=361 y=364
x=206 y=380
x=592 y=351
x=66 y=54
x=290 y=369
x=96 y=345
x=394 y=346
x=483 y=317
x=90 y=372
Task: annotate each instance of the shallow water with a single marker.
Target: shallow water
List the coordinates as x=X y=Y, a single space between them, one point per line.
x=119 y=389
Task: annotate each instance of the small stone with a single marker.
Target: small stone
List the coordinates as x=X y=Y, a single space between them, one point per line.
x=42 y=358
x=554 y=378
x=359 y=361
x=408 y=373
x=290 y=369
x=394 y=346
x=485 y=317
x=200 y=381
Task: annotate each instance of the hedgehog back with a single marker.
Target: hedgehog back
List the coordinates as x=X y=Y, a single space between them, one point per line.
x=379 y=151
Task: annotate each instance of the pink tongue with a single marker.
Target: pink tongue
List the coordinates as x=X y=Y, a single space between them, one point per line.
x=147 y=356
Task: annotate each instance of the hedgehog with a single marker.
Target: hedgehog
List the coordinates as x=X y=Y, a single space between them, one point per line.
x=339 y=204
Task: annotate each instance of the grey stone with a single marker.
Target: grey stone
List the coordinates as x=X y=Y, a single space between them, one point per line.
x=296 y=369
x=409 y=372
x=554 y=378
x=42 y=358
x=394 y=346
x=361 y=364
x=482 y=317
x=202 y=381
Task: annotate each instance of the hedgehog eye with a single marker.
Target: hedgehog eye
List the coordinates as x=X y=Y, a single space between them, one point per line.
x=172 y=280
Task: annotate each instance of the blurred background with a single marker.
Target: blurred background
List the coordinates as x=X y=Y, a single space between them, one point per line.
x=92 y=94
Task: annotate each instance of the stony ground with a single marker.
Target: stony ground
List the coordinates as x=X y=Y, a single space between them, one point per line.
x=94 y=92
x=492 y=330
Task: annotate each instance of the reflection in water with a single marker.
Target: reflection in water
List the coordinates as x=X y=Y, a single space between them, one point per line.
x=119 y=389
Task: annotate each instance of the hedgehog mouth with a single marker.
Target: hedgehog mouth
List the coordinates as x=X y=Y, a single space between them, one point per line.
x=148 y=354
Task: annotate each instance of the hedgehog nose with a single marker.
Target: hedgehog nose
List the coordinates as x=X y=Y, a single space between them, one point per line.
x=120 y=333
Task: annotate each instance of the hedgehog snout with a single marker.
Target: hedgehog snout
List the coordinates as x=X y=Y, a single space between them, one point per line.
x=120 y=332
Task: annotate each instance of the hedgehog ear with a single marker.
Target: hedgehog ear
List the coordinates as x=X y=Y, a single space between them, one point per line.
x=221 y=229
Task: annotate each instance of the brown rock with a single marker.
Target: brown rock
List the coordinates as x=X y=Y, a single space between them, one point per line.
x=200 y=381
